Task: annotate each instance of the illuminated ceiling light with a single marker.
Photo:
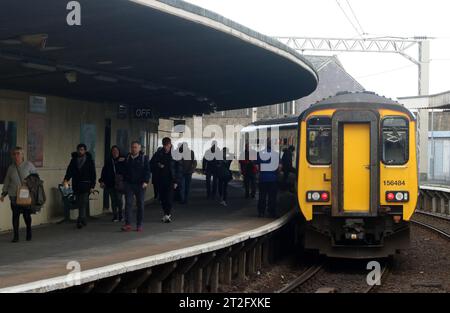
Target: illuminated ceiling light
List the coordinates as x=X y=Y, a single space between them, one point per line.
x=51 y=49
x=71 y=77
x=106 y=62
x=106 y=78
x=125 y=67
x=150 y=87
x=11 y=41
x=41 y=67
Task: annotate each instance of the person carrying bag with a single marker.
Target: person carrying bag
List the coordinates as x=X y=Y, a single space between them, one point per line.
x=19 y=194
x=23 y=197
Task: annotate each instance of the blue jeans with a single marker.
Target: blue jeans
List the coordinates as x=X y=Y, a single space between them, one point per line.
x=185 y=187
x=131 y=191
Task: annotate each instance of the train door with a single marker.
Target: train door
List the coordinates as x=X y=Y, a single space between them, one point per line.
x=355 y=167
x=355 y=163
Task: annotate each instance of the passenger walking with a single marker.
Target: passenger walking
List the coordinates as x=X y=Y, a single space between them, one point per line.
x=14 y=179
x=154 y=172
x=224 y=175
x=111 y=180
x=188 y=165
x=81 y=171
x=136 y=179
x=209 y=166
x=168 y=172
x=286 y=163
x=248 y=171
x=268 y=163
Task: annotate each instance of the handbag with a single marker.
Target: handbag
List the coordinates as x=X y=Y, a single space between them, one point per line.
x=23 y=193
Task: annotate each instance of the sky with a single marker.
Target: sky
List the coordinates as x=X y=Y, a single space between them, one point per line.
x=387 y=74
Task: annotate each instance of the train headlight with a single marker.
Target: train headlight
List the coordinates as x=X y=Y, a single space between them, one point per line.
x=397 y=196
x=317 y=196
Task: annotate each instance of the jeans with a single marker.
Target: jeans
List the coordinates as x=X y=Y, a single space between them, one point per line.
x=223 y=188
x=166 y=197
x=134 y=191
x=116 y=202
x=17 y=210
x=250 y=185
x=267 y=190
x=82 y=200
x=185 y=187
x=211 y=193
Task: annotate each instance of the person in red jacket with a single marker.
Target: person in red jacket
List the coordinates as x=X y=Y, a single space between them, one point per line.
x=249 y=170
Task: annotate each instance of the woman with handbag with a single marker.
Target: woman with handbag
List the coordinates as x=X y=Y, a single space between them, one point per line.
x=14 y=187
x=111 y=181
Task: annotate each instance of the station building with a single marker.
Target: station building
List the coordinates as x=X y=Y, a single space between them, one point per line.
x=434 y=135
x=109 y=75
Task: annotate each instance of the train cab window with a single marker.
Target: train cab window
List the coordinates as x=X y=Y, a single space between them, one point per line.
x=319 y=140
x=395 y=141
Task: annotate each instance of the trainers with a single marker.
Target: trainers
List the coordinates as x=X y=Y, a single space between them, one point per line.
x=126 y=228
x=167 y=219
x=139 y=229
x=223 y=203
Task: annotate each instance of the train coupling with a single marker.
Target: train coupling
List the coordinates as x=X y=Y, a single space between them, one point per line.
x=354 y=229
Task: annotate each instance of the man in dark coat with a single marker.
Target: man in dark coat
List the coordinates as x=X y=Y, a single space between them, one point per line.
x=136 y=177
x=209 y=166
x=168 y=173
x=286 y=164
x=81 y=171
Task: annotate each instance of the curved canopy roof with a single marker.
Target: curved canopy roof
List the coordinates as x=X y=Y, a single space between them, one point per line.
x=177 y=58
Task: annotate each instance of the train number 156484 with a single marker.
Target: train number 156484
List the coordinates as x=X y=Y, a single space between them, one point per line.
x=394 y=182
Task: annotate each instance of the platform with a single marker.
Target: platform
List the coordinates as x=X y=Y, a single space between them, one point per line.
x=102 y=243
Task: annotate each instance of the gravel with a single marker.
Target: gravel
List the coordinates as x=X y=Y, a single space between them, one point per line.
x=423 y=268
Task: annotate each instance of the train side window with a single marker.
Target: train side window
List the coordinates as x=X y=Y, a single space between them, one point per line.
x=395 y=138
x=319 y=140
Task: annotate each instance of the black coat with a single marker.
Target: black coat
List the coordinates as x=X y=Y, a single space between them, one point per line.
x=210 y=163
x=137 y=171
x=83 y=179
x=170 y=173
x=108 y=175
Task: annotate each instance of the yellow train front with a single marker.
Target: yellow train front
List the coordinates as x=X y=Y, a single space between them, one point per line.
x=357 y=175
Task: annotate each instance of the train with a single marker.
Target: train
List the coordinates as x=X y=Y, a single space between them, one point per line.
x=357 y=173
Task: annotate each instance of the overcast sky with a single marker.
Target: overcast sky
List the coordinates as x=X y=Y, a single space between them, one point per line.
x=387 y=74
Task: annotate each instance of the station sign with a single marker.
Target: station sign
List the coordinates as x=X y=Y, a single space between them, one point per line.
x=122 y=111
x=142 y=113
x=38 y=104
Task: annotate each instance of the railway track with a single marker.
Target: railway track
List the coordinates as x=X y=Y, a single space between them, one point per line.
x=441 y=232
x=313 y=270
x=302 y=278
